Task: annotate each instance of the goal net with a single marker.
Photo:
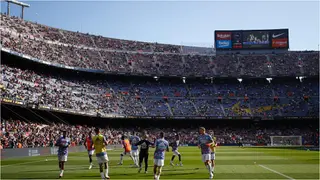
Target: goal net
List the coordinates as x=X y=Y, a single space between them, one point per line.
x=286 y=140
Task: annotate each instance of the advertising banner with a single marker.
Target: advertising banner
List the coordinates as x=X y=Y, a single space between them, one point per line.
x=237 y=40
x=43 y=151
x=223 y=36
x=223 y=44
x=280 y=43
x=40 y=151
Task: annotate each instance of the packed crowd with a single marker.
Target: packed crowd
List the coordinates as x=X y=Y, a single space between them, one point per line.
x=165 y=98
x=122 y=56
x=20 y=134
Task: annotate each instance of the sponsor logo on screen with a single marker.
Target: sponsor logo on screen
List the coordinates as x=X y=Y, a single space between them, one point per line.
x=224 y=44
x=280 y=43
x=223 y=35
x=279 y=35
x=237 y=45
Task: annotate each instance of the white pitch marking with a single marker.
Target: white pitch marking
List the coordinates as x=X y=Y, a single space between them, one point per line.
x=276 y=172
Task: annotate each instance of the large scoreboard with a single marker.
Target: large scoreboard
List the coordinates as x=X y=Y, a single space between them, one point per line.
x=252 y=39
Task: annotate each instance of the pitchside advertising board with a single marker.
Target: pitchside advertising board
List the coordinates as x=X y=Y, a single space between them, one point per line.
x=252 y=39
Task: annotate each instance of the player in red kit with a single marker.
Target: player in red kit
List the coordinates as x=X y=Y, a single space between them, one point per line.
x=89 y=146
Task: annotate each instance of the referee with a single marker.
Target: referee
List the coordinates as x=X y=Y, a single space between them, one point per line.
x=144 y=152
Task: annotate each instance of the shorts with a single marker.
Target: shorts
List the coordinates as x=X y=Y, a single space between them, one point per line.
x=91 y=152
x=135 y=152
x=102 y=158
x=206 y=157
x=175 y=152
x=62 y=158
x=158 y=162
x=213 y=156
x=126 y=153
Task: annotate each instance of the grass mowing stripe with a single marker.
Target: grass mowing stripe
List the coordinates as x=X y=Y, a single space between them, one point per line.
x=31 y=162
x=276 y=172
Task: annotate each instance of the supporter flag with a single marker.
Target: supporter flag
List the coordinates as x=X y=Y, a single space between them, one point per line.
x=124 y=92
x=108 y=95
x=177 y=94
x=231 y=94
x=165 y=98
x=276 y=99
x=306 y=98
x=264 y=109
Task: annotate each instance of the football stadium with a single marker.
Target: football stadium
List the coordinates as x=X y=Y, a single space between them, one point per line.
x=80 y=105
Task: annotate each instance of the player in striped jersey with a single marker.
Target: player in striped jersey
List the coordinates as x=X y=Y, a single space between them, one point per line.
x=100 y=143
x=175 y=146
x=134 y=139
x=63 y=143
x=161 y=146
x=204 y=143
x=89 y=146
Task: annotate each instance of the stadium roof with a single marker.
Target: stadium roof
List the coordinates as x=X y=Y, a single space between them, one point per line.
x=18 y=3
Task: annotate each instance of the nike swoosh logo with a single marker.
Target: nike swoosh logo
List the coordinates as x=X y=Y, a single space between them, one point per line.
x=277 y=35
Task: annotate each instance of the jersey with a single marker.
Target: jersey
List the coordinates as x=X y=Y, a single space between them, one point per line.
x=99 y=145
x=161 y=146
x=213 y=146
x=126 y=145
x=144 y=145
x=89 y=144
x=63 y=144
x=203 y=140
x=133 y=141
x=175 y=145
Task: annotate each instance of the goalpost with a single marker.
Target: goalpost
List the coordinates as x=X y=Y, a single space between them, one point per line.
x=286 y=140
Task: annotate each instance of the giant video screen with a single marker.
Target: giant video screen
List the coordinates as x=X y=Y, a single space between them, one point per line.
x=252 y=39
x=256 y=39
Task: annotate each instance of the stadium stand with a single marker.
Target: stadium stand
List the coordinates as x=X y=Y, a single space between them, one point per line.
x=162 y=98
x=121 y=56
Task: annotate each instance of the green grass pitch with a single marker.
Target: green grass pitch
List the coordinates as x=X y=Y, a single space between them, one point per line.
x=231 y=163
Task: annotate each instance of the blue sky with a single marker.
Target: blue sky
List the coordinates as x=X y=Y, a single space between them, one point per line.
x=178 y=22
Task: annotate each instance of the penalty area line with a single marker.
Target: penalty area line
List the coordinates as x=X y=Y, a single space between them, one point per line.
x=274 y=171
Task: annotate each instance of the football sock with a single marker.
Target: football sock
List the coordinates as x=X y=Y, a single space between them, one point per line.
x=173 y=158
x=179 y=157
x=121 y=158
x=102 y=175
x=107 y=170
x=209 y=168
x=61 y=172
x=90 y=158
